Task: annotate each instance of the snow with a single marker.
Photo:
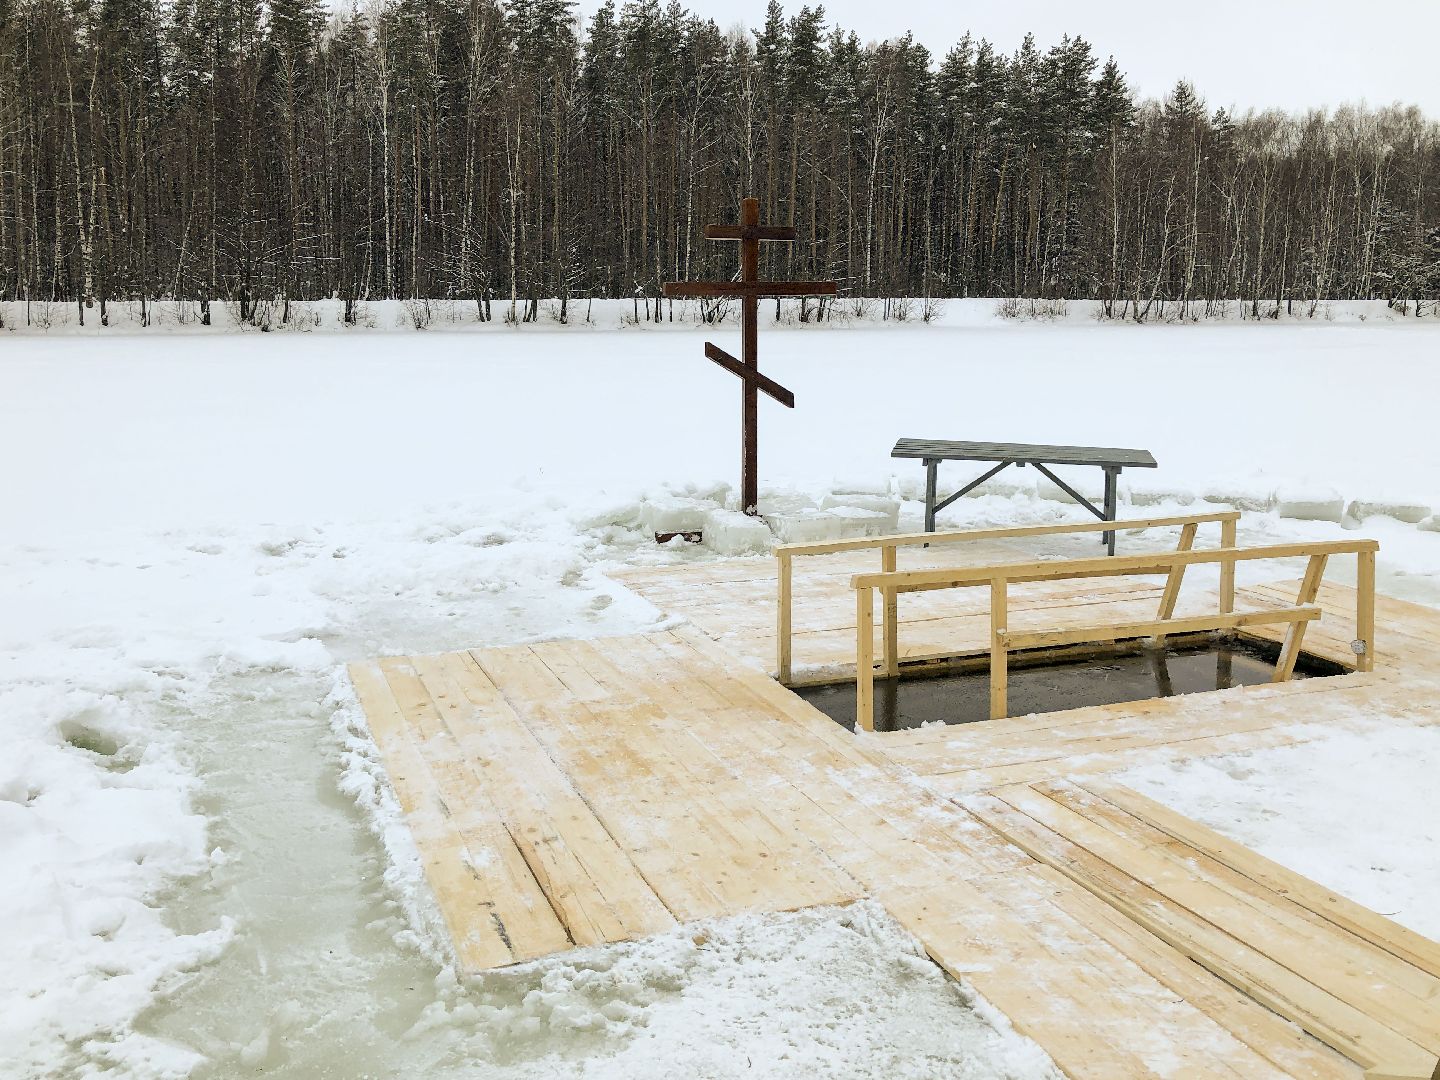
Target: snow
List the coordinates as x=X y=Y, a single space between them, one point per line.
x=1312 y=503
x=205 y=871
x=170 y=317
x=669 y=514
x=729 y=532
x=867 y=503
x=1412 y=513
x=1359 y=813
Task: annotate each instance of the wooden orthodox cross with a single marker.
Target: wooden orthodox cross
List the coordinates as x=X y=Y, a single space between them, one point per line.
x=749 y=289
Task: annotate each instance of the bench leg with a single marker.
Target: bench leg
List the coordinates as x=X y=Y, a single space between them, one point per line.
x=1112 y=477
x=931 y=467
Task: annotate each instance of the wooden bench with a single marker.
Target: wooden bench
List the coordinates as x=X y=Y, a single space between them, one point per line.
x=1110 y=459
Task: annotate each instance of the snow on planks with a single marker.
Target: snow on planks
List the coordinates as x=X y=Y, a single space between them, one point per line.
x=1359 y=983
x=580 y=792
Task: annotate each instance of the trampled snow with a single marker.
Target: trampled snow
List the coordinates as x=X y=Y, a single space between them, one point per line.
x=203 y=874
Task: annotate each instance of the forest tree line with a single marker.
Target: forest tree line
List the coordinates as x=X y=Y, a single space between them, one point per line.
x=241 y=150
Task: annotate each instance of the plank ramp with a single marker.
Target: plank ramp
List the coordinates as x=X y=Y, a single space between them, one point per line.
x=1353 y=979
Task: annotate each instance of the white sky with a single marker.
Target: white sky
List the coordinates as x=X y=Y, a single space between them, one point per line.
x=1291 y=54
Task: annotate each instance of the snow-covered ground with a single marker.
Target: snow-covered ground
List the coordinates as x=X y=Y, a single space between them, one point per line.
x=202 y=871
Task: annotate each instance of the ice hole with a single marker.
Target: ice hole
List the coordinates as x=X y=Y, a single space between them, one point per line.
x=1052 y=680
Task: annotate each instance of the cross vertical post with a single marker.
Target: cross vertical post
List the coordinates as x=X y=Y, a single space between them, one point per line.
x=749 y=289
x=750 y=355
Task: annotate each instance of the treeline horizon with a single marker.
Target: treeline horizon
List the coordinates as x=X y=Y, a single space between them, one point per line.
x=469 y=149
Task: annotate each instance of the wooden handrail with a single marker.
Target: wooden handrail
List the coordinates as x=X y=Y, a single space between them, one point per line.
x=1193 y=624
x=889 y=545
x=923 y=539
x=1000 y=576
x=1158 y=562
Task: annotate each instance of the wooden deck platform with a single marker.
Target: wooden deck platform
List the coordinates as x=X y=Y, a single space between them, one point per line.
x=580 y=792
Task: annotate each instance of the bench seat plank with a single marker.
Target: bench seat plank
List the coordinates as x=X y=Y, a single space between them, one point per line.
x=949 y=450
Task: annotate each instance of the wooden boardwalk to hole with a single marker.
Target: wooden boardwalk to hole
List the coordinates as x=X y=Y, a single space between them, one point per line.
x=580 y=792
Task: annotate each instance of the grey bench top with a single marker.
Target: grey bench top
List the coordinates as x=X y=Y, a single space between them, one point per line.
x=944 y=449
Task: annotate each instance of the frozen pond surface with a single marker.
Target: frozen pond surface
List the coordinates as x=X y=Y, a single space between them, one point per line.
x=305 y=427
x=201 y=531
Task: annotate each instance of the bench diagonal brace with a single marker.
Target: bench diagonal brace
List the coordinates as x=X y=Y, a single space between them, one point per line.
x=1063 y=486
x=970 y=486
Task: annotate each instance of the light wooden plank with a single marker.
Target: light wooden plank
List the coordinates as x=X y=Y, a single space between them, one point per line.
x=1016 y=949
x=590 y=882
x=641 y=669
x=1227 y=568
x=629 y=791
x=1279 y=1041
x=1204 y=921
x=999 y=655
x=493 y=907
x=891 y=618
x=864 y=660
x=785 y=606
x=1355 y=918
x=1176 y=577
x=1365 y=610
x=1405 y=997
x=1112 y=566
x=1104 y=634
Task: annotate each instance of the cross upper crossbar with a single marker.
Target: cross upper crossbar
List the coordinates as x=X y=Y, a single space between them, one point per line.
x=750 y=232
x=715 y=290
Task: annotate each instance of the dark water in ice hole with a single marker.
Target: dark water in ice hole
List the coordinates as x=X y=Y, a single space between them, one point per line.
x=963 y=697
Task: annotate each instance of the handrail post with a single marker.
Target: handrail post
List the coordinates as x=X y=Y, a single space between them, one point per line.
x=1310 y=584
x=999 y=656
x=864 y=659
x=1227 y=568
x=1175 y=579
x=891 y=616
x=1295 y=633
x=783 y=617
x=1365 y=610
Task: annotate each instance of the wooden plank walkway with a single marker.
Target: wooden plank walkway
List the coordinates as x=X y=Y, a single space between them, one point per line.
x=581 y=792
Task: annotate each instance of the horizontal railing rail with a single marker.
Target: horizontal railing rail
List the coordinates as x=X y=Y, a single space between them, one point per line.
x=889 y=546
x=1157 y=562
x=1000 y=576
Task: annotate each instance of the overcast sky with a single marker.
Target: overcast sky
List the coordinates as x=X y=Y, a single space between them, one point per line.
x=1287 y=53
